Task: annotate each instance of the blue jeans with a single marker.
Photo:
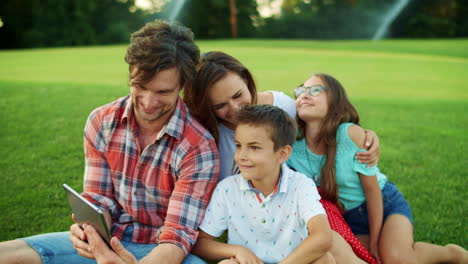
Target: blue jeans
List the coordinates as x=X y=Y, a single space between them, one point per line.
x=393 y=203
x=57 y=248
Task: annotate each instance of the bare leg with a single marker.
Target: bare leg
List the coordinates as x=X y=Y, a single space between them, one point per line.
x=342 y=251
x=396 y=241
x=325 y=259
x=18 y=251
x=397 y=246
x=429 y=253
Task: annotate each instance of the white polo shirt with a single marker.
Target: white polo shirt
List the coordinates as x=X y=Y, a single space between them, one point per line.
x=271 y=227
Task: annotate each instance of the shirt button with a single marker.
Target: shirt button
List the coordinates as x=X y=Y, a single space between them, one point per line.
x=263 y=221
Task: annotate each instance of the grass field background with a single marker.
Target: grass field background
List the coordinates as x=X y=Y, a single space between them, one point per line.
x=413 y=93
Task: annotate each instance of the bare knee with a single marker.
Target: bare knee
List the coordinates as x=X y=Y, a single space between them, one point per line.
x=456 y=254
x=17 y=252
x=325 y=259
x=342 y=251
x=347 y=258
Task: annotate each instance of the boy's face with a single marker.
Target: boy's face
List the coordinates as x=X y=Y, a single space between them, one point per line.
x=255 y=153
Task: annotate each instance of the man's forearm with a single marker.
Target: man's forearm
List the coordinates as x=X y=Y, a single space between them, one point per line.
x=164 y=253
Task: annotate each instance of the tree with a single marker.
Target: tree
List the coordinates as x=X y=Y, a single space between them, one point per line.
x=233 y=20
x=212 y=18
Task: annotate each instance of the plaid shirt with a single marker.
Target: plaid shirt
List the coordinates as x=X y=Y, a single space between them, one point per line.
x=162 y=190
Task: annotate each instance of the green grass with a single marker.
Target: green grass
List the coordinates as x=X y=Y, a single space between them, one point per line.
x=445 y=48
x=413 y=93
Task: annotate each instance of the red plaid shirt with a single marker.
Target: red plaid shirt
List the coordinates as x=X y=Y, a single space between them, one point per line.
x=161 y=190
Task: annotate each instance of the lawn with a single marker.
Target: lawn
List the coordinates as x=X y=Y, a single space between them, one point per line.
x=413 y=93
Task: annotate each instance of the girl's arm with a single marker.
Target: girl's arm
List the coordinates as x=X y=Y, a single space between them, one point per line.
x=207 y=247
x=375 y=211
x=315 y=245
x=373 y=195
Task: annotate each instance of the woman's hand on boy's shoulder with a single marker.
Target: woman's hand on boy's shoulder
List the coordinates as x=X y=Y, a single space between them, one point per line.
x=365 y=139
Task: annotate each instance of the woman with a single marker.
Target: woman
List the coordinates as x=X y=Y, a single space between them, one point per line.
x=222 y=86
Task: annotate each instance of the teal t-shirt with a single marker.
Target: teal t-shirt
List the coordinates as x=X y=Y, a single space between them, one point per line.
x=350 y=191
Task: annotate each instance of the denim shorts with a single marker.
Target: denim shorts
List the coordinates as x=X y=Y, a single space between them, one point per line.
x=393 y=203
x=57 y=248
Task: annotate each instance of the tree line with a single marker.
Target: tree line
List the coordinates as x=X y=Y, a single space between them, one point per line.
x=360 y=19
x=44 y=23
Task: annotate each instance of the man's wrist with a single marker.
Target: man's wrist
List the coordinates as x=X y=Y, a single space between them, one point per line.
x=165 y=253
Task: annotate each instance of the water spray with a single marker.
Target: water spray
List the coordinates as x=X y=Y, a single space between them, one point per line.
x=391 y=15
x=176 y=8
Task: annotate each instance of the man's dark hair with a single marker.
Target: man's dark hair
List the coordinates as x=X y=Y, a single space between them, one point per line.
x=282 y=127
x=161 y=45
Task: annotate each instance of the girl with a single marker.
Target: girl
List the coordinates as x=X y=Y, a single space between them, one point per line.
x=222 y=86
x=376 y=211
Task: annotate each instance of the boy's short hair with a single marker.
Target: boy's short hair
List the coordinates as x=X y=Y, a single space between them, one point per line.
x=282 y=127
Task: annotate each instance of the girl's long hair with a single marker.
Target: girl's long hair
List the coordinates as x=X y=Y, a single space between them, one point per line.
x=213 y=67
x=340 y=110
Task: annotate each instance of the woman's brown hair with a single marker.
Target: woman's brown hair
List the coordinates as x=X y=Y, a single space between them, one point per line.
x=213 y=67
x=340 y=110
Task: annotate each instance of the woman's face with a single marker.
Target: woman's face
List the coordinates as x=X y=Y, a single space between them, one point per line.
x=312 y=104
x=227 y=96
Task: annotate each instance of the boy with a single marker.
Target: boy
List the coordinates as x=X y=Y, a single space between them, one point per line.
x=272 y=213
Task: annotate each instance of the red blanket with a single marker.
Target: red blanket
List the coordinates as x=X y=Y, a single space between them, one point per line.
x=339 y=225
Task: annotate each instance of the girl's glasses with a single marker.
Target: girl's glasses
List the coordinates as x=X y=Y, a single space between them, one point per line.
x=314 y=90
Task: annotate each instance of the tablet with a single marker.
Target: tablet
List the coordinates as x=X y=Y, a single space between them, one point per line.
x=87 y=213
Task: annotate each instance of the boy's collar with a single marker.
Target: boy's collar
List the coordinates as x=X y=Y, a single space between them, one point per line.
x=282 y=183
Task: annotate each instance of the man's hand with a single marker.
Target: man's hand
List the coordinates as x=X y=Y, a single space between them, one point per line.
x=78 y=239
x=245 y=256
x=101 y=251
x=371 y=156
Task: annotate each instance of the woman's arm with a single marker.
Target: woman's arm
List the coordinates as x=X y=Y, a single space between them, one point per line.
x=207 y=247
x=315 y=245
x=264 y=98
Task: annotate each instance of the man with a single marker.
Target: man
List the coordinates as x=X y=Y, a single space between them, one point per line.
x=149 y=165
